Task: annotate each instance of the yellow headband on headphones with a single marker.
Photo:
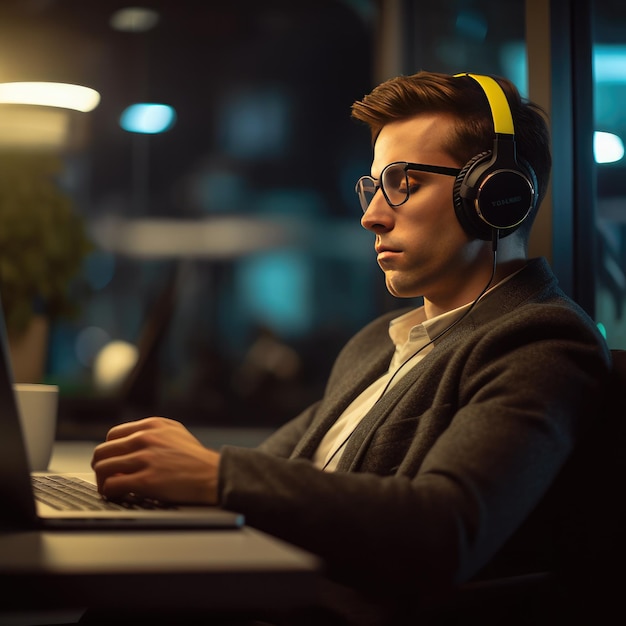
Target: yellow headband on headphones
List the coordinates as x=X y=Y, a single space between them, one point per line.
x=500 y=110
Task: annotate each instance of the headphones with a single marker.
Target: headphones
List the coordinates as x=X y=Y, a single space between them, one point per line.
x=494 y=192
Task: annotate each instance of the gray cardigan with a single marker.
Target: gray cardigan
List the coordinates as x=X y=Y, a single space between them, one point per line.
x=451 y=464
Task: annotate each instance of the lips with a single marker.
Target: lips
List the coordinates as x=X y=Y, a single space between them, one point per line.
x=381 y=248
x=385 y=253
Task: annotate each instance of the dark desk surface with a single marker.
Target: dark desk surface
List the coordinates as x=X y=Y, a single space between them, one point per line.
x=212 y=570
x=194 y=569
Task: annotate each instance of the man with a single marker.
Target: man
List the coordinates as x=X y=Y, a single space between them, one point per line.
x=442 y=429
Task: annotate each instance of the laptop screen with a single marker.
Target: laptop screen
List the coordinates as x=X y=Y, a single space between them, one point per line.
x=18 y=508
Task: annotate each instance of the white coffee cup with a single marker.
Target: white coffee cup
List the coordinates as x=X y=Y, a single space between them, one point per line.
x=37 y=407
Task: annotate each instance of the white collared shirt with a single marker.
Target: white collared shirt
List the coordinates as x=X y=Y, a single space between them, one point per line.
x=414 y=337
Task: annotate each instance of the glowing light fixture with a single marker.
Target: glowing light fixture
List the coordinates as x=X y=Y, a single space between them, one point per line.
x=147 y=118
x=134 y=19
x=62 y=95
x=607 y=147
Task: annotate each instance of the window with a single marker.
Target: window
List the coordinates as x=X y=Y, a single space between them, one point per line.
x=609 y=93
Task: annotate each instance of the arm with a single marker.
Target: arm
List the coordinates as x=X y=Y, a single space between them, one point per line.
x=497 y=416
x=159 y=458
x=513 y=406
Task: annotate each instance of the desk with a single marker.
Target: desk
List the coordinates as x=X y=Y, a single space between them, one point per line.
x=211 y=570
x=223 y=570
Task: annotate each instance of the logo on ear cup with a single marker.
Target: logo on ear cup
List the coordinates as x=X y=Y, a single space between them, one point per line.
x=487 y=196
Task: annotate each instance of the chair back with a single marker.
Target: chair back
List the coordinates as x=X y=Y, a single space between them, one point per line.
x=589 y=515
x=594 y=566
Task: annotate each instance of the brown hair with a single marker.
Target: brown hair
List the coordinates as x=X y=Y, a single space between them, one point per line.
x=427 y=92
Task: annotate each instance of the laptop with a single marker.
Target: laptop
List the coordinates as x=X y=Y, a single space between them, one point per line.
x=21 y=509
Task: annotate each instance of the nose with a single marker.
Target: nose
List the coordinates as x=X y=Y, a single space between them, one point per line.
x=379 y=215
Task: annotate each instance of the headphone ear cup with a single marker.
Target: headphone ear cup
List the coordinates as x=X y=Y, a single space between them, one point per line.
x=487 y=198
x=530 y=175
x=464 y=207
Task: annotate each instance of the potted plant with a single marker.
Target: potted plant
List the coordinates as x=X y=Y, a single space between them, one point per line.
x=43 y=243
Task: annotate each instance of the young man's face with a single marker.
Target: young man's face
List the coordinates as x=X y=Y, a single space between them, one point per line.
x=420 y=244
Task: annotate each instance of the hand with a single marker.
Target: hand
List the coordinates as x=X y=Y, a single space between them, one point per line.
x=156 y=458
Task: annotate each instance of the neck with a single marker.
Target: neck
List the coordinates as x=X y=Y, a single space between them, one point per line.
x=470 y=291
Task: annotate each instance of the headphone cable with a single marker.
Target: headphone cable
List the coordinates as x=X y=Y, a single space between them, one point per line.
x=435 y=338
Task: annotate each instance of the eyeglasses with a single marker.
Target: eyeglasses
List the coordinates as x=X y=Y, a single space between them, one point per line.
x=395 y=182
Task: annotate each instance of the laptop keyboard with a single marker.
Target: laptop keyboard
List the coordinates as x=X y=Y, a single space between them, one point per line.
x=69 y=493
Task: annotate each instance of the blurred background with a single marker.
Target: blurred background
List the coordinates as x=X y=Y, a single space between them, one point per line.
x=187 y=237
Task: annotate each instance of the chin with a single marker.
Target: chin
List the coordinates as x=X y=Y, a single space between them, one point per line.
x=397 y=291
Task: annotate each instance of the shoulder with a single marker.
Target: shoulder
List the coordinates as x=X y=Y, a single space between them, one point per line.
x=528 y=330
x=532 y=299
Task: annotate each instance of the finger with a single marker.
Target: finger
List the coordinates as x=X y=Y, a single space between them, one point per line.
x=121 y=485
x=130 y=447
x=136 y=438
x=114 y=448
x=128 y=428
x=129 y=465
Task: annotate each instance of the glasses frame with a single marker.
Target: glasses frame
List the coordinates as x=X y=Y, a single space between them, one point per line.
x=416 y=167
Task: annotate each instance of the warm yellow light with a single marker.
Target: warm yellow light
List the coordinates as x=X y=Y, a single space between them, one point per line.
x=61 y=95
x=113 y=364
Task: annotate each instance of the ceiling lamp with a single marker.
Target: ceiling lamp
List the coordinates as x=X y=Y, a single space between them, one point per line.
x=62 y=95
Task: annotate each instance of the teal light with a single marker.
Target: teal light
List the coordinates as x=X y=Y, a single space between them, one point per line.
x=148 y=118
x=609 y=63
x=472 y=24
x=602 y=329
x=275 y=291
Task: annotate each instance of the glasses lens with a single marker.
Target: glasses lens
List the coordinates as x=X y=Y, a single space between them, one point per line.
x=395 y=184
x=365 y=188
